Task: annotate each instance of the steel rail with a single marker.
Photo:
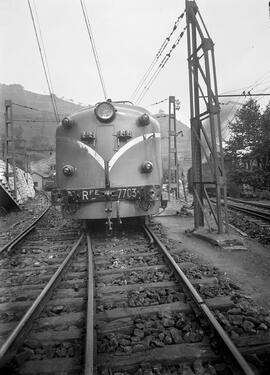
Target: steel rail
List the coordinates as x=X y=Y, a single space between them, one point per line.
x=249 y=211
x=151 y=240
x=23 y=234
x=263 y=216
x=251 y=203
x=17 y=336
x=203 y=308
x=90 y=336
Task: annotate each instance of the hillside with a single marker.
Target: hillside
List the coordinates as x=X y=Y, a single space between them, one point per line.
x=40 y=134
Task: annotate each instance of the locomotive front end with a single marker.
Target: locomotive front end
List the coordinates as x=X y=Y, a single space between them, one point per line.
x=108 y=161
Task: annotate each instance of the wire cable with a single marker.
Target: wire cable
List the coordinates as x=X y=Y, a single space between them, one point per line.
x=45 y=59
x=30 y=120
x=91 y=37
x=45 y=68
x=32 y=108
x=260 y=80
x=156 y=58
x=160 y=67
x=36 y=109
x=161 y=101
x=247 y=93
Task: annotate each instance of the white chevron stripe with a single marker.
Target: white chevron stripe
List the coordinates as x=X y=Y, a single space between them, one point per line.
x=120 y=152
x=93 y=153
x=130 y=144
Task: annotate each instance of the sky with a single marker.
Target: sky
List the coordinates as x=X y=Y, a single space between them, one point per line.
x=128 y=34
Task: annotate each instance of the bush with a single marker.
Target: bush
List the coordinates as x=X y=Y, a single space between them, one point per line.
x=264 y=194
x=234 y=189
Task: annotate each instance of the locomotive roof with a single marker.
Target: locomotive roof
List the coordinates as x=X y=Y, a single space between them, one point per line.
x=119 y=104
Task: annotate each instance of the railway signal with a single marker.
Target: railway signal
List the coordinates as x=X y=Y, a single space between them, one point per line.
x=177 y=104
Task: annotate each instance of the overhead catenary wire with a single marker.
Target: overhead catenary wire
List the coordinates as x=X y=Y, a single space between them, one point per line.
x=234 y=110
x=43 y=60
x=91 y=37
x=246 y=93
x=36 y=109
x=30 y=120
x=156 y=58
x=32 y=108
x=160 y=67
x=227 y=126
x=46 y=61
x=260 y=80
x=161 y=101
x=262 y=94
x=247 y=90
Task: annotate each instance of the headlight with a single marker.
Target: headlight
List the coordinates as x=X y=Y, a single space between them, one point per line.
x=105 y=112
x=147 y=167
x=144 y=119
x=67 y=122
x=68 y=170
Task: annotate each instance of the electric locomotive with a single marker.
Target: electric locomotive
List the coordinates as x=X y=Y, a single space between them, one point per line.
x=108 y=162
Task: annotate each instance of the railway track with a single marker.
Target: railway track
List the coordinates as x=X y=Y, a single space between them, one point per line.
x=259 y=211
x=145 y=324
x=25 y=222
x=19 y=237
x=135 y=316
x=29 y=275
x=251 y=203
x=250 y=218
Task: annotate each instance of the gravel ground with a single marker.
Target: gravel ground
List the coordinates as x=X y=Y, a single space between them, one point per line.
x=253 y=229
x=157 y=330
x=248 y=269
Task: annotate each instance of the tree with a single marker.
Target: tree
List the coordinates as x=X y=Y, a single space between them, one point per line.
x=248 y=148
x=262 y=149
x=244 y=134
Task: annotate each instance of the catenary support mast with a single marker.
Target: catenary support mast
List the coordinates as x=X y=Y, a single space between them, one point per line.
x=9 y=150
x=204 y=107
x=173 y=165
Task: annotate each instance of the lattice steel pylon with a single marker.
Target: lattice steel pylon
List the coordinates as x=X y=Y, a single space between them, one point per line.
x=173 y=167
x=204 y=105
x=9 y=149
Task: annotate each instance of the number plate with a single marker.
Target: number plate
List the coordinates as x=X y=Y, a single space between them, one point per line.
x=99 y=195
